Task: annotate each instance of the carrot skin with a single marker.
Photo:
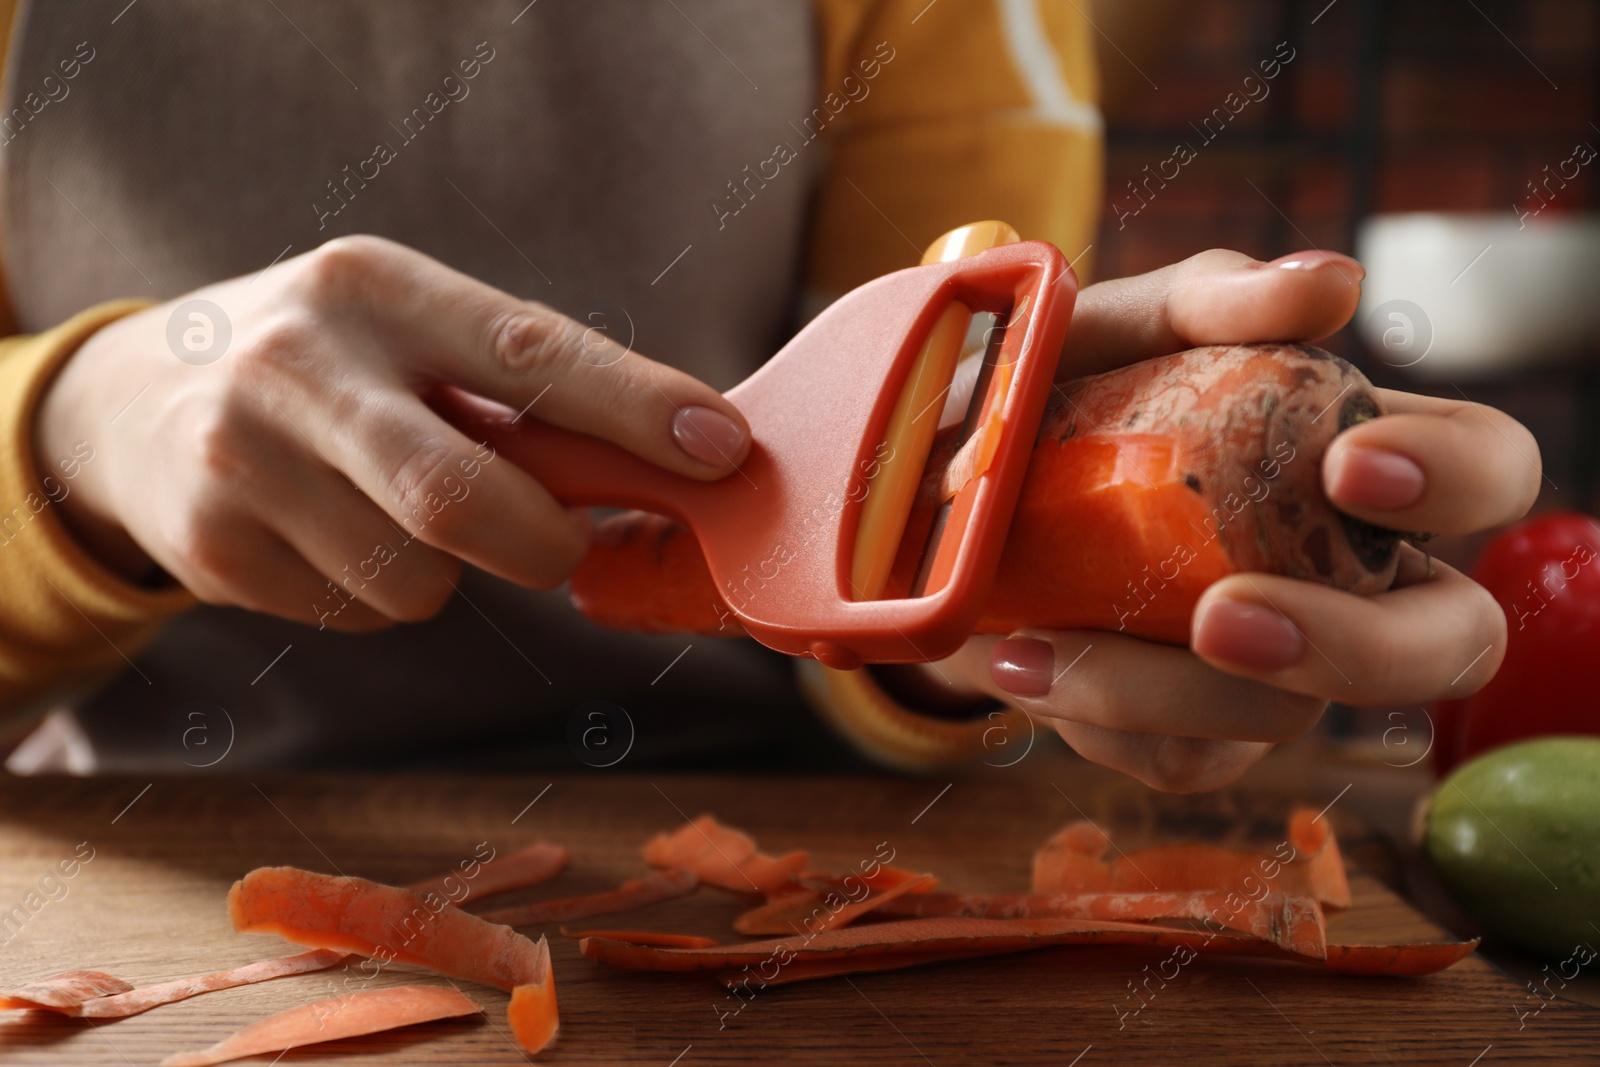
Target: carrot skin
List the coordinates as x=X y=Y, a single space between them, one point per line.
x=388 y=924
x=368 y=1011
x=64 y=992
x=643 y=937
x=930 y=938
x=527 y=866
x=722 y=856
x=142 y=999
x=632 y=894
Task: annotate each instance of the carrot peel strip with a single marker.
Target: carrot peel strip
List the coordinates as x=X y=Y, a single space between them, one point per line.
x=644 y=937
x=810 y=911
x=388 y=924
x=722 y=856
x=1294 y=924
x=930 y=939
x=532 y=1011
x=1324 y=872
x=1391 y=961
x=142 y=999
x=1307 y=863
x=536 y=863
x=635 y=893
x=369 y=1011
x=64 y=992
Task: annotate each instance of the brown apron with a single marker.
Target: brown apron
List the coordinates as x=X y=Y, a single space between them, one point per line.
x=564 y=150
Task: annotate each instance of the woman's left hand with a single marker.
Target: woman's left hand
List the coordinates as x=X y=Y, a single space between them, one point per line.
x=1268 y=653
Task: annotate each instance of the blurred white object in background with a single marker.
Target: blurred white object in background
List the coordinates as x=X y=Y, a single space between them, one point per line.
x=1475 y=296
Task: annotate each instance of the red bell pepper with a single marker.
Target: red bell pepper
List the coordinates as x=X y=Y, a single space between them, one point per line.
x=1545 y=574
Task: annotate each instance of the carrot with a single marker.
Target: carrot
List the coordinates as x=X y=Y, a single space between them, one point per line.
x=134 y=1001
x=1294 y=924
x=722 y=856
x=63 y=992
x=643 y=937
x=369 y=1011
x=634 y=893
x=1146 y=484
x=1307 y=863
x=516 y=870
x=807 y=909
x=928 y=939
x=390 y=924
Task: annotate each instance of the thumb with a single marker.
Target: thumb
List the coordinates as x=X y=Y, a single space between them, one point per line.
x=1213 y=298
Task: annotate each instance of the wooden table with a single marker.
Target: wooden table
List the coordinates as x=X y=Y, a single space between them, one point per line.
x=149 y=906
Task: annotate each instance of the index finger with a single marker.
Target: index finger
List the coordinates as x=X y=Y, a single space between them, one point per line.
x=448 y=327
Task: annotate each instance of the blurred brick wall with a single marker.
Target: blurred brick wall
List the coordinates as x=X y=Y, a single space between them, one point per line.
x=1461 y=119
x=1388 y=105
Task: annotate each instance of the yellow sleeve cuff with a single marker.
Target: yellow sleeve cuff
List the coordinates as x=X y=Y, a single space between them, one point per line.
x=61 y=612
x=859 y=709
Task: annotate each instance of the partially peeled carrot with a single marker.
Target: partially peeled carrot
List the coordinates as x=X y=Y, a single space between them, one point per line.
x=390 y=924
x=369 y=1011
x=722 y=856
x=635 y=893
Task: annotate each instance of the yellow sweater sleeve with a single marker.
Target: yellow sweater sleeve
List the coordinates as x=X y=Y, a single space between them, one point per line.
x=937 y=114
x=932 y=114
x=62 y=614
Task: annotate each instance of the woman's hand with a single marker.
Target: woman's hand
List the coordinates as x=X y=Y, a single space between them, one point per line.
x=301 y=474
x=1269 y=653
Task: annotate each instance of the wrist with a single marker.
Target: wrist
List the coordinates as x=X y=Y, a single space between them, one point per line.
x=63 y=459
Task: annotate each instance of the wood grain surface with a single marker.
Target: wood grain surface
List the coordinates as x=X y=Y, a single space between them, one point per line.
x=150 y=906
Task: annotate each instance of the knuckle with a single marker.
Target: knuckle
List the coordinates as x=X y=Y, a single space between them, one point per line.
x=287 y=340
x=416 y=489
x=219 y=441
x=343 y=267
x=533 y=338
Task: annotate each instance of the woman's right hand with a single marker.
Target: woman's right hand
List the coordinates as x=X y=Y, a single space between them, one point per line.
x=304 y=455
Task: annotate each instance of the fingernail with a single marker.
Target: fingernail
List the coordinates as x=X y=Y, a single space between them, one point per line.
x=1023 y=666
x=707 y=435
x=1317 y=258
x=1376 y=478
x=1248 y=636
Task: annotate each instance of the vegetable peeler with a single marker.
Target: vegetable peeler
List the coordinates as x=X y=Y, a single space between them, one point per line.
x=802 y=538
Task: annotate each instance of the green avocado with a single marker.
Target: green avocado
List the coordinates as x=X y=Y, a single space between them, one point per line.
x=1515 y=837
